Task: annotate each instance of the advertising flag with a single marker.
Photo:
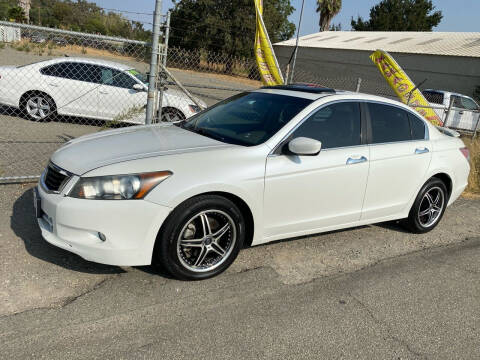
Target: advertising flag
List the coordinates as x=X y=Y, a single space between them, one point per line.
x=403 y=86
x=267 y=62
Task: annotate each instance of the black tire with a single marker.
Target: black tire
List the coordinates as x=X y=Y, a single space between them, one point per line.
x=41 y=100
x=188 y=220
x=172 y=115
x=418 y=222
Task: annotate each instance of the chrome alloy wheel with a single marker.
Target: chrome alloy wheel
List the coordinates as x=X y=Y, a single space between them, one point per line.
x=431 y=207
x=38 y=107
x=206 y=241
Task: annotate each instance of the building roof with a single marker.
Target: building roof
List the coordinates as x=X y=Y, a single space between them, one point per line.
x=432 y=43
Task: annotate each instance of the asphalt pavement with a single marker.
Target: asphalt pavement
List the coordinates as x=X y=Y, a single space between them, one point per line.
x=374 y=292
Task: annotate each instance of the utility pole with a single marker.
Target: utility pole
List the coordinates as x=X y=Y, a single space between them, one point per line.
x=152 y=76
x=296 y=44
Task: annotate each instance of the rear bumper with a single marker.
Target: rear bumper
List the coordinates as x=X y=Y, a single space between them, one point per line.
x=130 y=228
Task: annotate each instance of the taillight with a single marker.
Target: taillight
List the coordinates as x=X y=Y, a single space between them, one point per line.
x=466 y=153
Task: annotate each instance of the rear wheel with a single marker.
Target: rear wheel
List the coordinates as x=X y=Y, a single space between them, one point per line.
x=429 y=207
x=201 y=238
x=38 y=106
x=172 y=115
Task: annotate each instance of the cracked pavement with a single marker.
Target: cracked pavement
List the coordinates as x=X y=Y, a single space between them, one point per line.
x=375 y=292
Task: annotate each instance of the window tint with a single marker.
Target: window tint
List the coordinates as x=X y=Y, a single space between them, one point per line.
x=468 y=103
x=73 y=71
x=116 y=78
x=418 y=127
x=246 y=119
x=434 y=97
x=389 y=123
x=336 y=125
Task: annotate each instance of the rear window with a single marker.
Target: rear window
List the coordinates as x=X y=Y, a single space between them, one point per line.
x=434 y=97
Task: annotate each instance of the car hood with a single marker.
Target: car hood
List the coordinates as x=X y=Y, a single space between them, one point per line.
x=89 y=152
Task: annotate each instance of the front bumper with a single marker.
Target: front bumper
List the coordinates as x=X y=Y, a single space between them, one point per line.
x=130 y=227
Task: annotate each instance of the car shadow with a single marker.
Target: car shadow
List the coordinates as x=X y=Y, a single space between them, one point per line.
x=24 y=225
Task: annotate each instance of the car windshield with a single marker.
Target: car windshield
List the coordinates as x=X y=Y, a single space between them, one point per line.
x=140 y=76
x=246 y=119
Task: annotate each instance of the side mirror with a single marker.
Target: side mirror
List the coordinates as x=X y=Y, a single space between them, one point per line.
x=305 y=146
x=138 y=87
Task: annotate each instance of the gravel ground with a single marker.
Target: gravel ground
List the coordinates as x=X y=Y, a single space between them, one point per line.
x=375 y=292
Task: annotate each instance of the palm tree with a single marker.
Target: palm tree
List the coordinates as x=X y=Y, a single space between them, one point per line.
x=328 y=9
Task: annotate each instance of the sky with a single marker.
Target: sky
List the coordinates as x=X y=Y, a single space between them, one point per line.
x=458 y=15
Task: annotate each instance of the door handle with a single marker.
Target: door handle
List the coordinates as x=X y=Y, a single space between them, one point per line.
x=103 y=92
x=421 y=150
x=461 y=112
x=53 y=84
x=356 y=160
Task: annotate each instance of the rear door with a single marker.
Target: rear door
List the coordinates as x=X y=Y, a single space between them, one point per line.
x=400 y=154
x=73 y=86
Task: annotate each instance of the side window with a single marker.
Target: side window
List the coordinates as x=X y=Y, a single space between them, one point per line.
x=457 y=101
x=418 y=127
x=389 y=123
x=52 y=70
x=468 y=103
x=336 y=125
x=116 y=78
x=73 y=71
x=434 y=97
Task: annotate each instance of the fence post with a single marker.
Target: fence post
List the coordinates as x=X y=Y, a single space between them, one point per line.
x=359 y=84
x=448 y=111
x=153 y=62
x=476 y=127
x=164 y=63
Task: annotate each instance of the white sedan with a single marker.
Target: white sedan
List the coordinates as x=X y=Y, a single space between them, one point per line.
x=88 y=88
x=264 y=165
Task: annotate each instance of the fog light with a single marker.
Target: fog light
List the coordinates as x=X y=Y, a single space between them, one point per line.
x=102 y=236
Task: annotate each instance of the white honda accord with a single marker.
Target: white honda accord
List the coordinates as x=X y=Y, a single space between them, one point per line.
x=264 y=165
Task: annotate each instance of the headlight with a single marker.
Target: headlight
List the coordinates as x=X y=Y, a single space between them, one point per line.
x=195 y=108
x=118 y=187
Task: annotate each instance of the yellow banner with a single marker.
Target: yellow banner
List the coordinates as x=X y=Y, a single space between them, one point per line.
x=267 y=62
x=403 y=86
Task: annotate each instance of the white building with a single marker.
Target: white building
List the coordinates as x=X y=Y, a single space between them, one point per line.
x=448 y=61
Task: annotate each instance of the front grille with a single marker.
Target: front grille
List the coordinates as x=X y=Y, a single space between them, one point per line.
x=54 y=178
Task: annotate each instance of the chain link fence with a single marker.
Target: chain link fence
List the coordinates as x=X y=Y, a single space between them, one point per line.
x=56 y=85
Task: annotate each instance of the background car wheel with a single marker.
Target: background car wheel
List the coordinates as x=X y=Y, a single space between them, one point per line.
x=172 y=115
x=201 y=238
x=38 y=106
x=429 y=207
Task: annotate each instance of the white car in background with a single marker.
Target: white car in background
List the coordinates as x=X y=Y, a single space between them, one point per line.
x=88 y=88
x=465 y=111
x=265 y=165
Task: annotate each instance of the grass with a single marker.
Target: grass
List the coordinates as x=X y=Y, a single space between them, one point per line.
x=474 y=179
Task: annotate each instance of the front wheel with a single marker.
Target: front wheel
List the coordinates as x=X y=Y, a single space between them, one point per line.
x=201 y=238
x=429 y=207
x=172 y=115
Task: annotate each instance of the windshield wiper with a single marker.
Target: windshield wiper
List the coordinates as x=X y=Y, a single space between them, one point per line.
x=209 y=134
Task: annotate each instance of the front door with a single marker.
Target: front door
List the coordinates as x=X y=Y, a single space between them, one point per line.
x=117 y=98
x=304 y=194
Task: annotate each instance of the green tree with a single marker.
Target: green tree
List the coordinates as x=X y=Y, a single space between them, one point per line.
x=328 y=9
x=16 y=13
x=400 y=15
x=227 y=26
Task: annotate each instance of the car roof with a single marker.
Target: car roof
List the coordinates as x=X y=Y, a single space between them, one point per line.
x=101 y=62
